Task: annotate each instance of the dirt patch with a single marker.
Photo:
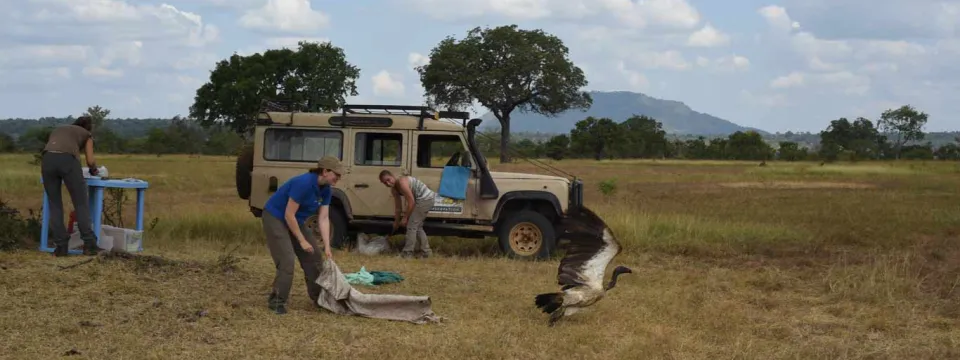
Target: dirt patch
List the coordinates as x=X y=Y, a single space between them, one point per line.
x=798 y=185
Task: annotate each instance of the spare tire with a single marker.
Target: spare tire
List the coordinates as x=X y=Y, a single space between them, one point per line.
x=244 y=169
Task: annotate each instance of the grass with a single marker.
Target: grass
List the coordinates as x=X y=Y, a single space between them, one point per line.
x=731 y=260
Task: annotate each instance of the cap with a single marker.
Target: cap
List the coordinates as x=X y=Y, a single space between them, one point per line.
x=331 y=163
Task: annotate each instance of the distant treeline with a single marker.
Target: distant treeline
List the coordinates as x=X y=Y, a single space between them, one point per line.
x=636 y=137
x=126 y=136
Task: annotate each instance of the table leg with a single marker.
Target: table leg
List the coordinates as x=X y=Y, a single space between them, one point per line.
x=45 y=227
x=140 y=196
x=96 y=211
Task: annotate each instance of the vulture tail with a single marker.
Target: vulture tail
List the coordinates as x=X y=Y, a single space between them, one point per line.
x=549 y=302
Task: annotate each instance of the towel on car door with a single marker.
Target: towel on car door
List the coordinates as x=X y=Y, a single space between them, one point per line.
x=453 y=182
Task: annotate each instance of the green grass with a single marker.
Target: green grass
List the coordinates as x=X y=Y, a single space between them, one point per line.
x=731 y=260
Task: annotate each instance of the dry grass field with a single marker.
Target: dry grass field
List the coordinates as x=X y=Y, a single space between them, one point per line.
x=731 y=261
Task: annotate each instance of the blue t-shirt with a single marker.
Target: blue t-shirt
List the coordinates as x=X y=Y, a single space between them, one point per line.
x=305 y=191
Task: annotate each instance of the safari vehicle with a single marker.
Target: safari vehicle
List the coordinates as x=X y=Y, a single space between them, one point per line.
x=521 y=210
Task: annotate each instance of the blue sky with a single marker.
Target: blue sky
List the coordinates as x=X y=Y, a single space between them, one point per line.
x=776 y=65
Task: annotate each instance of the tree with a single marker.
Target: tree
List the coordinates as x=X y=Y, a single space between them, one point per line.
x=557 y=147
x=97 y=114
x=315 y=77
x=504 y=69
x=905 y=122
x=643 y=137
x=596 y=137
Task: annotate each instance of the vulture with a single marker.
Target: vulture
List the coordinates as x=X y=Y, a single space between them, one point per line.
x=581 y=272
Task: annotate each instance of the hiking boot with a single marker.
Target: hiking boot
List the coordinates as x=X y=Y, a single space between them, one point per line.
x=406 y=254
x=280 y=309
x=61 y=250
x=425 y=254
x=91 y=250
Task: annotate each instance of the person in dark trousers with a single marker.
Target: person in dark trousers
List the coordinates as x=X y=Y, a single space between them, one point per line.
x=288 y=238
x=60 y=164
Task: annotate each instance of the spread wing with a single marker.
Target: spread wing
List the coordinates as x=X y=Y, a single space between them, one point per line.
x=592 y=246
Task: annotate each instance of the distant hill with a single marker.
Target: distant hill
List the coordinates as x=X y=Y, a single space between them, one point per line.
x=676 y=117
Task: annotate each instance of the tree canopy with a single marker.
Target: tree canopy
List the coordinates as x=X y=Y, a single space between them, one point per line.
x=315 y=77
x=504 y=69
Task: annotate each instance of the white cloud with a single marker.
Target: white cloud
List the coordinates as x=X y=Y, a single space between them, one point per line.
x=665 y=14
x=416 y=60
x=708 y=36
x=387 y=84
x=777 y=17
x=670 y=59
x=793 y=79
x=636 y=79
x=291 y=16
x=725 y=63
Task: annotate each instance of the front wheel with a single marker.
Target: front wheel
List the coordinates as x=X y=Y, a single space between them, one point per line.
x=526 y=235
x=338 y=229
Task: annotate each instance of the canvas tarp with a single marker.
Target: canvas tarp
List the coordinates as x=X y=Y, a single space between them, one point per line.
x=338 y=296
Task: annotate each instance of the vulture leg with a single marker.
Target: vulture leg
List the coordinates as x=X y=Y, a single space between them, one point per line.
x=556 y=315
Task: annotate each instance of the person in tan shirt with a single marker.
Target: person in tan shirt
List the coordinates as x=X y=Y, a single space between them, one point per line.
x=60 y=164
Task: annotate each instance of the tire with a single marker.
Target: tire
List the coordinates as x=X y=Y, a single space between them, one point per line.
x=338 y=221
x=537 y=225
x=243 y=171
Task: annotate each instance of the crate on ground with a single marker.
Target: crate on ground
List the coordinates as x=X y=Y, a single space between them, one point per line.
x=111 y=238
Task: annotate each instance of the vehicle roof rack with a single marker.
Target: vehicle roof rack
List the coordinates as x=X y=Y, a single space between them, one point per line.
x=422 y=112
x=267 y=105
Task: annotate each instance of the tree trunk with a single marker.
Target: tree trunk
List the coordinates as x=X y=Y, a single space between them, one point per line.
x=505 y=139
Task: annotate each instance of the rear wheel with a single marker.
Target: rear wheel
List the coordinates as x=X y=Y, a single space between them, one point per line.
x=243 y=170
x=526 y=234
x=338 y=229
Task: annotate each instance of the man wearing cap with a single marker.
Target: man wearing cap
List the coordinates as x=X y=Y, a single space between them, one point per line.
x=288 y=238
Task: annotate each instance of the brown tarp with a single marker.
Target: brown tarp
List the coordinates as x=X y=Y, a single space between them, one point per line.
x=338 y=296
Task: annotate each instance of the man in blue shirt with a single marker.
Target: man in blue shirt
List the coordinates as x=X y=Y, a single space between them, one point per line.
x=288 y=238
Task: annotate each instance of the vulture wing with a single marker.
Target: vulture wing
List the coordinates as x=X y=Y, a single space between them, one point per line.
x=592 y=246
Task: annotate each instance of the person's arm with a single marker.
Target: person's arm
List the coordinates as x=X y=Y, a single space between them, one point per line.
x=407 y=194
x=323 y=221
x=397 y=207
x=290 y=217
x=88 y=151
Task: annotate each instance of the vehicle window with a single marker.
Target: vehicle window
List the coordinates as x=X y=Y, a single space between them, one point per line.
x=378 y=149
x=436 y=151
x=301 y=145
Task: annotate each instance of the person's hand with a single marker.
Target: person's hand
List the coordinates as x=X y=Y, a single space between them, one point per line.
x=327 y=253
x=93 y=170
x=404 y=220
x=306 y=246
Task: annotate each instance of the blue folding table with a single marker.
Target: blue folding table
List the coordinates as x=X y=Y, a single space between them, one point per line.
x=95 y=186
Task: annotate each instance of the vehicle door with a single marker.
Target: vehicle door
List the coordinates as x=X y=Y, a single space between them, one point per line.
x=375 y=150
x=432 y=150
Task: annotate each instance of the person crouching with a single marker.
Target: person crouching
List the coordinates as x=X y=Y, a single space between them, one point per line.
x=288 y=237
x=419 y=201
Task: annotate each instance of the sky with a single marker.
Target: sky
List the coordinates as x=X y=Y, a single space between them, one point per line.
x=789 y=65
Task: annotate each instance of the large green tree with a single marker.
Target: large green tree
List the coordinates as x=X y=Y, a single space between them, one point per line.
x=315 y=77
x=504 y=69
x=905 y=123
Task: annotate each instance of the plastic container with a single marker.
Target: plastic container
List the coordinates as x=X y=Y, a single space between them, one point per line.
x=101 y=174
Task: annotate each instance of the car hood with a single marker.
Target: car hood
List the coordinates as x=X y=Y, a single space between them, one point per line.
x=499 y=175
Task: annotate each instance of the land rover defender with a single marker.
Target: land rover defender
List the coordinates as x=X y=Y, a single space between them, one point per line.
x=521 y=210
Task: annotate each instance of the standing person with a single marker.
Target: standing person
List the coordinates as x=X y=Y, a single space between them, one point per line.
x=60 y=164
x=289 y=239
x=419 y=201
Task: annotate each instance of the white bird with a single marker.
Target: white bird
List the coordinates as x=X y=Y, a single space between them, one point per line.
x=580 y=274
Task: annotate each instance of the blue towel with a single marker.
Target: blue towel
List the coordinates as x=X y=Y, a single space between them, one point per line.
x=453 y=182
